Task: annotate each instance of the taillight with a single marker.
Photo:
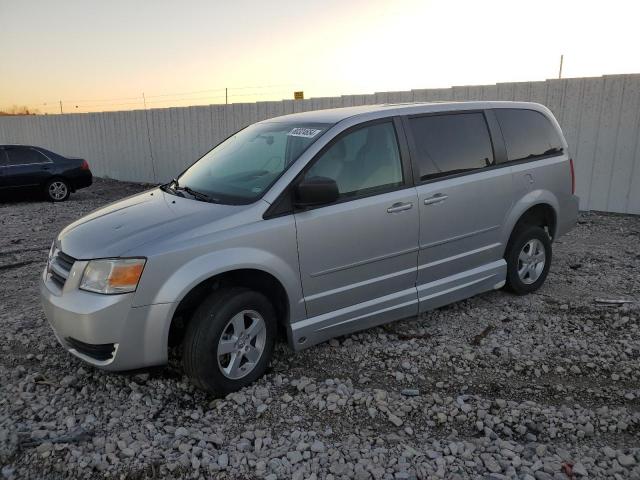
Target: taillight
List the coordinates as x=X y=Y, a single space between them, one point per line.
x=573 y=177
x=85 y=166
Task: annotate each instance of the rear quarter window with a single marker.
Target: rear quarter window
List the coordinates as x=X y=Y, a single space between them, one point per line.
x=528 y=134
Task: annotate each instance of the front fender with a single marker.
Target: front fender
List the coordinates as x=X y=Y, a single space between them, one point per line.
x=190 y=274
x=183 y=279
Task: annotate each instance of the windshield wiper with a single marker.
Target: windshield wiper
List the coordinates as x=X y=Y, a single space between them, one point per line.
x=166 y=187
x=194 y=193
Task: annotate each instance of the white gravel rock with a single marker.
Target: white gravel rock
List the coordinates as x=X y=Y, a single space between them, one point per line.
x=553 y=382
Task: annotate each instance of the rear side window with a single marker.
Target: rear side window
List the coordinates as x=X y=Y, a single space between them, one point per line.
x=528 y=134
x=452 y=143
x=24 y=156
x=3 y=158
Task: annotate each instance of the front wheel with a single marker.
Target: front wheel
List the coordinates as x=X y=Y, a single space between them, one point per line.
x=229 y=341
x=528 y=259
x=57 y=190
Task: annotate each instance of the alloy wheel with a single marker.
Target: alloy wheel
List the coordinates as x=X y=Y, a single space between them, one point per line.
x=58 y=190
x=531 y=261
x=241 y=344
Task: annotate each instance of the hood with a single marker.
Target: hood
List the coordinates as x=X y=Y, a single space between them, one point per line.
x=121 y=226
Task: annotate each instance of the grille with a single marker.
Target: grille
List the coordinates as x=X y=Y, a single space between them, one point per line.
x=59 y=268
x=65 y=260
x=99 y=352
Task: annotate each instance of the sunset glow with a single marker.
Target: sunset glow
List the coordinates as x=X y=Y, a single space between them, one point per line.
x=96 y=55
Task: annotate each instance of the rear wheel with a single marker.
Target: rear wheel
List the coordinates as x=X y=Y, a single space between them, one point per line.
x=57 y=190
x=229 y=341
x=528 y=259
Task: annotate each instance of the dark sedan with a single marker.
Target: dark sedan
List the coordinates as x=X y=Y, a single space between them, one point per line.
x=24 y=167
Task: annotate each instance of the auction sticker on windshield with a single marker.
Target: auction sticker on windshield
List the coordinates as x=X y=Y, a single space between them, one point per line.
x=303 y=132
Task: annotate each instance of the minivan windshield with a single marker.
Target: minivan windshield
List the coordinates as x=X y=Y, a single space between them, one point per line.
x=244 y=166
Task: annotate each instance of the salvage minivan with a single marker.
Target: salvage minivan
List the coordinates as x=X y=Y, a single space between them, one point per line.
x=311 y=226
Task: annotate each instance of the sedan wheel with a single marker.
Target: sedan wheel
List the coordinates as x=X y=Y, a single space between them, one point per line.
x=57 y=190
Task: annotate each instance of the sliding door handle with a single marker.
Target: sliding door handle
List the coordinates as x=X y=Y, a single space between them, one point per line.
x=437 y=198
x=399 y=207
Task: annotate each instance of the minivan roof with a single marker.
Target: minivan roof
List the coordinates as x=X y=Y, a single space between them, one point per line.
x=334 y=115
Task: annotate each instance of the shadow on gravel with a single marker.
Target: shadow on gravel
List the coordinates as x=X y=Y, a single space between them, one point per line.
x=22 y=196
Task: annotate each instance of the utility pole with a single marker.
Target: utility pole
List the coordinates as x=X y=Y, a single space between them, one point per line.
x=144 y=100
x=60 y=107
x=561 y=62
x=226 y=96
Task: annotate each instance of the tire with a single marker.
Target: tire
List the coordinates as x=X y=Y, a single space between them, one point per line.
x=57 y=190
x=525 y=273
x=215 y=326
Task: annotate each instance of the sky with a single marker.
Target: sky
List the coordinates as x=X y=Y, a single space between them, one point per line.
x=98 y=55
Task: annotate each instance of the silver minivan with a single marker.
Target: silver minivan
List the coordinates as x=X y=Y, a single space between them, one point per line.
x=310 y=226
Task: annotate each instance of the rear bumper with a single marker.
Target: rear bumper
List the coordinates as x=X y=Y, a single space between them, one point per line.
x=106 y=330
x=568 y=215
x=82 y=181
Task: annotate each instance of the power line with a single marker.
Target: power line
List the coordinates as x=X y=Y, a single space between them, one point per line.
x=258 y=93
x=180 y=98
x=99 y=100
x=177 y=94
x=185 y=93
x=184 y=99
x=263 y=86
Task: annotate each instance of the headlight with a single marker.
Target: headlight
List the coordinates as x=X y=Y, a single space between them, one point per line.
x=112 y=276
x=49 y=258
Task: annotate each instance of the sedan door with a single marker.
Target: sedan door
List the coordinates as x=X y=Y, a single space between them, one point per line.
x=464 y=198
x=358 y=255
x=26 y=167
x=3 y=168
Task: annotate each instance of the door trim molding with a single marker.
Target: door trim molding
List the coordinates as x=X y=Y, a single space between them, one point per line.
x=460 y=255
x=458 y=237
x=363 y=262
x=455 y=287
x=359 y=284
x=360 y=316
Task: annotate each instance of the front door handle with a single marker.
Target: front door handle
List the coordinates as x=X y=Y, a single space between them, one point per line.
x=437 y=198
x=399 y=207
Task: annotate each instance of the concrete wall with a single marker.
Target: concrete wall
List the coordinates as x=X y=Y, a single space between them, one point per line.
x=600 y=117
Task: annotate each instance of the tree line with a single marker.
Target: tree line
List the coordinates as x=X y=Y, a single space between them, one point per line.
x=18 y=110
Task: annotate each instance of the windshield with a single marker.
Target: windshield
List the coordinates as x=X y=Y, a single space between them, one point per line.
x=245 y=165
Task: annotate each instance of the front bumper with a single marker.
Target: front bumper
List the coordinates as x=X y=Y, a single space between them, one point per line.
x=106 y=331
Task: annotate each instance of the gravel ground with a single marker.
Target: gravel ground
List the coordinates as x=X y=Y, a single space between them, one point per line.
x=497 y=386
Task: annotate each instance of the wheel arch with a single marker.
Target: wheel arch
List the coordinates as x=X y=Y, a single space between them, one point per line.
x=252 y=278
x=55 y=176
x=542 y=210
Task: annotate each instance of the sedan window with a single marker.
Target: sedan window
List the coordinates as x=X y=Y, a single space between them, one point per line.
x=24 y=156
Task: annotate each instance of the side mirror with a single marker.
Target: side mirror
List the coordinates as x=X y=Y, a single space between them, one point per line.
x=314 y=191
